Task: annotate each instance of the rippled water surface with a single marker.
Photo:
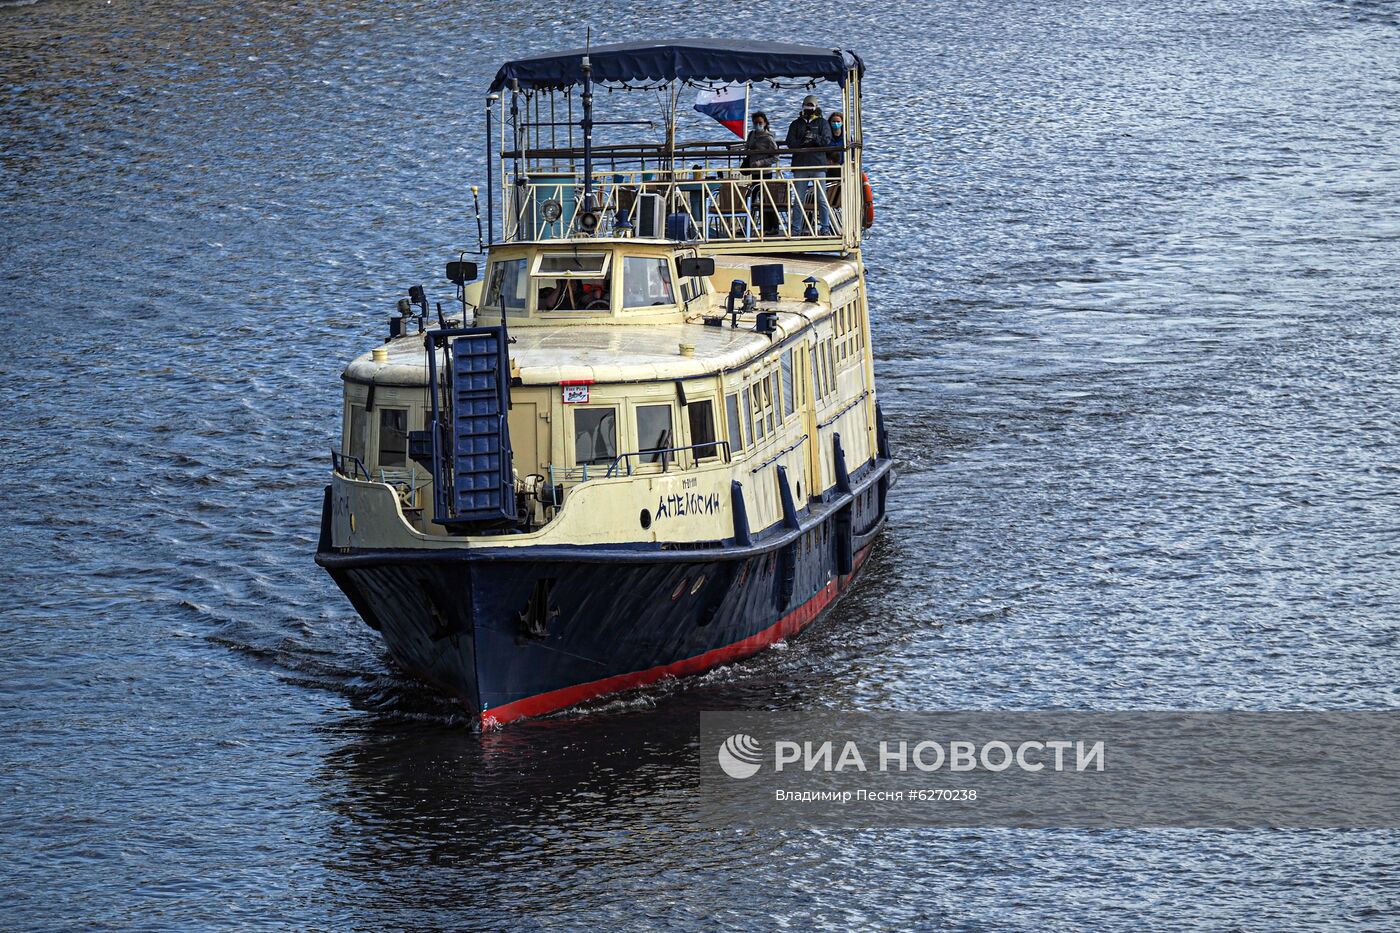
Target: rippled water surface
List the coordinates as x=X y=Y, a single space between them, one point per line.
x=1134 y=286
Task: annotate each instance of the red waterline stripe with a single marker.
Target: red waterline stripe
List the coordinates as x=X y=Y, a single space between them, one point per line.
x=788 y=625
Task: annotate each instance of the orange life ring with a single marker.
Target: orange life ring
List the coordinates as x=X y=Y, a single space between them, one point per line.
x=868 y=213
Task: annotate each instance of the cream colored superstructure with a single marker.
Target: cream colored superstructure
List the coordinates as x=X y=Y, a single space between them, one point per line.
x=773 y=400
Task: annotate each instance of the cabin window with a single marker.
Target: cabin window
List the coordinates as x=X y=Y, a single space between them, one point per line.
x=646 y=282
x=393 y=437
x=359 y=429
x=702 y=429
x=571 y=294
x=654 y=432
x=771 y=400
x=587 y=265
x=572 y=282
x=789 y=400
x=595 y=435
x=736 y=432
x=505 y=287
x=748 y=417
x=828 y=371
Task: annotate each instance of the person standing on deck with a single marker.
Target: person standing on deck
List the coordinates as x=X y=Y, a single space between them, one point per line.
x=808 y=132
x=761 y=153
x=837 y=122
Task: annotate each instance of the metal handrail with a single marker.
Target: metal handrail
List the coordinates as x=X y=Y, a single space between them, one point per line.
x=837 y=417
x=664 y=452
x=340 y=460
x=719 y=203
x=642 y=151
x=781 y=454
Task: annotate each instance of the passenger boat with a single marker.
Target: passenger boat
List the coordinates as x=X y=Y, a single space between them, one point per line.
x=646 y=442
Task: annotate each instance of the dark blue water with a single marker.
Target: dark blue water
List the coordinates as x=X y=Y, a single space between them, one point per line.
x=1135 y=293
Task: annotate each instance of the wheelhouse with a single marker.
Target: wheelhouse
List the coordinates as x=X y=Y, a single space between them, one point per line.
x=592 y=281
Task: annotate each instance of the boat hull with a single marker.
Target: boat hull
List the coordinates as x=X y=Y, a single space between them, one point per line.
x=524 y=631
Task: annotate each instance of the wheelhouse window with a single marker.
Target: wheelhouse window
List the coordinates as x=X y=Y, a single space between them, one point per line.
x=646 y=282
x=736 y=430
x=572 y=282
x=359 y=432
x=595 y=435
x=654 y=432
x=701 y=416
x=505 y=287
x=393 y=437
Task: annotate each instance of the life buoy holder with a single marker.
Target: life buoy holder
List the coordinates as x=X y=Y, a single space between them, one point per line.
x=867 y=216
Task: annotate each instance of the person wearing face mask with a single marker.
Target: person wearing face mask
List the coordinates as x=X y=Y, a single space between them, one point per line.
x=761 y=152
x=808 y=132
x=760 y=148
x=837 y=121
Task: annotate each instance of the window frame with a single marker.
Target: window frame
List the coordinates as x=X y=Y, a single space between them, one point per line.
x=713 y=444
x=787 y=369
x=748 y=417
x=537 y=267
x=733 y=423
x=670 y=276
x=501 y=264
x=658 y=459
x=352 y=435
x=573 y=434
x=379 y=461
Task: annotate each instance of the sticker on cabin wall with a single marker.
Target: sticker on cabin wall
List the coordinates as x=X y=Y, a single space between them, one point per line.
x=575 y=395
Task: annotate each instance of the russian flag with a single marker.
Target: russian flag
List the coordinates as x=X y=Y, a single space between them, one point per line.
x=725 y=104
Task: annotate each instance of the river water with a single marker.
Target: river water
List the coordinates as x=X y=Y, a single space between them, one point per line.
x=1134 y=292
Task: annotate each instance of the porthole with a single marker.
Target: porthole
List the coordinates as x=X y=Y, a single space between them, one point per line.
x=680 y=588
x=646 y=519
x=699 y=582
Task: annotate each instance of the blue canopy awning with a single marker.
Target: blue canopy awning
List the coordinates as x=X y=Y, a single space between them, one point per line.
x=680 y=59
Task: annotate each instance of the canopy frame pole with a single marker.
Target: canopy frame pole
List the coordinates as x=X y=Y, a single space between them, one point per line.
x=587 y=135
x=518 y=195
x=490 y=176
x=671 y=131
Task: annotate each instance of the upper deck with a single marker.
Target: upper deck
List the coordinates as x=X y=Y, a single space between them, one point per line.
x=562 y=173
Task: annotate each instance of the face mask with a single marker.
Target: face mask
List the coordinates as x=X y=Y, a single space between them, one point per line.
x=836 y=126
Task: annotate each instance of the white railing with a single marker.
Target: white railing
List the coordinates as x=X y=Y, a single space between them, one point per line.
x=714 y=205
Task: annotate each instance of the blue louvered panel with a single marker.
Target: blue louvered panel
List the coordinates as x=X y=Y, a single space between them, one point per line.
x=482 y=489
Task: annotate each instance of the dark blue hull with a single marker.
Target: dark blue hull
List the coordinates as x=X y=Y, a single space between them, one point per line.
x=516 y=632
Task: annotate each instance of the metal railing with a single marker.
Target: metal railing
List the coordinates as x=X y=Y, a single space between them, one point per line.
x=711 y=205
x=667 y=455
x=848 y=406
x=781 y=454
x=348 y=466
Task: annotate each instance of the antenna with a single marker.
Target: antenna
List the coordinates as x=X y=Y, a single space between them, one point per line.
x=476 y=206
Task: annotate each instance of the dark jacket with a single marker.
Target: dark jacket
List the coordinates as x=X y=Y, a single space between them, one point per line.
x=760 y=150
x=809 y=134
